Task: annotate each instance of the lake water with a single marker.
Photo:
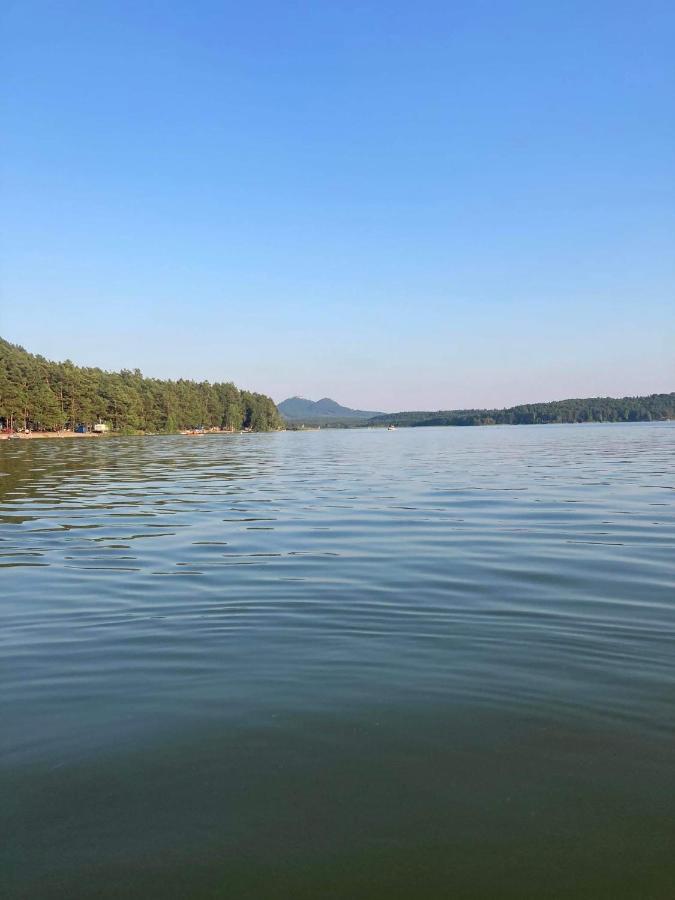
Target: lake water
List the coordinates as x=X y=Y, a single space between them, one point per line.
x=340 y=664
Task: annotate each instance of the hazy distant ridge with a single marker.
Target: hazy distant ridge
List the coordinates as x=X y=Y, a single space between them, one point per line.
x=299 y=408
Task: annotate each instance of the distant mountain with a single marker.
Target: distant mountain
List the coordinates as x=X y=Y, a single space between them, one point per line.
x=297 y=408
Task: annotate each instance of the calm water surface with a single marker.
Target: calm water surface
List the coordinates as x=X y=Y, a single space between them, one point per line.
x=342 y=664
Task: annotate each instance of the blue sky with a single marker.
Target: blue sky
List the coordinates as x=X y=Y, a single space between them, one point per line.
x=398 y=205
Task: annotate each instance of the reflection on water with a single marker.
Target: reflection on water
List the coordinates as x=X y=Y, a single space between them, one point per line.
x=433 y=663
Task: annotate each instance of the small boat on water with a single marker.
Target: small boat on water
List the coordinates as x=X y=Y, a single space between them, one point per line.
x=391 y=428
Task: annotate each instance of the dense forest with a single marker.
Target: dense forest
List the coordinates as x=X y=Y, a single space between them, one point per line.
x=43 y=395
x=655 y=407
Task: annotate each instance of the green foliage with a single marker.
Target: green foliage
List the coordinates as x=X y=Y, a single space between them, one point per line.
x=43 y=395
x=656 y=407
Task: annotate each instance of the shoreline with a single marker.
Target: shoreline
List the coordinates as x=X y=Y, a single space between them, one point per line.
x=62 y=435
x=32 y=435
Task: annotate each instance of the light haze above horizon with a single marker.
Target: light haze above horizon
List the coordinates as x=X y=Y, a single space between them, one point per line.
x=394 y=205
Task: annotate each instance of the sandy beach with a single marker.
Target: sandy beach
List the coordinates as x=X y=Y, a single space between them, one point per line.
x=31 y=435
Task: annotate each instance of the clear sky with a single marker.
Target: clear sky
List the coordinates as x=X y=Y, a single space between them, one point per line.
x=395 y=204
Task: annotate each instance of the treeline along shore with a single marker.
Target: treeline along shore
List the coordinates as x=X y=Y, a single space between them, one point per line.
x=655 y=407
x=52 y=397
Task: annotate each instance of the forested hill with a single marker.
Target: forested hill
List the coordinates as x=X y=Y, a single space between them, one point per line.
x=595 y=409
x=39 y=394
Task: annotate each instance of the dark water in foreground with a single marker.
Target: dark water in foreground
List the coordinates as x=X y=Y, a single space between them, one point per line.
x=429 y=663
